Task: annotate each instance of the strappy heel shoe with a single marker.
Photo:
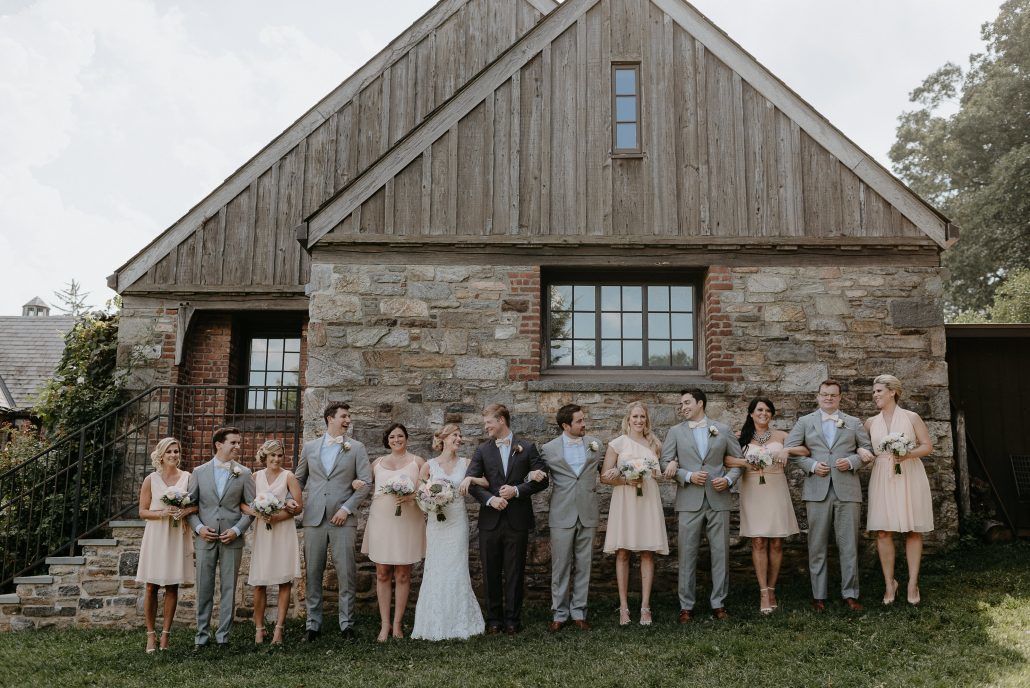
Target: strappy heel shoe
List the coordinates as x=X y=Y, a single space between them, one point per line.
x=624 y=616
x=645 y=616
x=151 y=634
x=279 y=632
x=772 y=599
x=764 y=607
x=164 y=643
x=259 y=635
x=890 y=594
x=914 y=601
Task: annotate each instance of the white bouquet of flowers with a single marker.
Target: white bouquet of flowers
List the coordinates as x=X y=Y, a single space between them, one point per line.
x=267 y=505
x=897 y=444
x=401 y=486
x=761 y=459
x=432 y=497
x=180 y=499
x=637 y=469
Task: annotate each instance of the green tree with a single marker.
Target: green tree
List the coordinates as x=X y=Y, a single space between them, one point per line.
x=967 y=150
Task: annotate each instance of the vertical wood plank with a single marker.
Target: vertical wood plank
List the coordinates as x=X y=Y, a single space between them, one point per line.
x=580 y=139
x=596 y=134
x=442 y=185
x=407 y=199
x=754 y=150
x=739 y=157
x=626 y=25
x=452 y=193
x=799 y=181
x=546 y=127
x=346 y=145
x=531 y=142
x=425 y=218
x=501 y=176
x=370 y=123
x=688 y=164
x=388 y=207
x=470 y=172
x=515 y=153
x=488 y=167
x=701 y=64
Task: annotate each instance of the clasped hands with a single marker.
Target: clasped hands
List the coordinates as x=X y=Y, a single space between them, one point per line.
x=720 y=484
x=822 y=469
x=209 y=535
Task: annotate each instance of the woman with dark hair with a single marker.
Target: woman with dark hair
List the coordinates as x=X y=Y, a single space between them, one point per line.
x=766 y=511
x=395 y=534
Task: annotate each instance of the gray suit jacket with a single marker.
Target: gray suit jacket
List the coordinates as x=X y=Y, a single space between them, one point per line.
x=221 y=513
x=808 y=431
x=680 y=447
x=572 y=496
x=325 y=494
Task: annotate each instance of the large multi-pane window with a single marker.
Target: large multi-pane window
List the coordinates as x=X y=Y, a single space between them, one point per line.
x=274 y=363
x=613 y=324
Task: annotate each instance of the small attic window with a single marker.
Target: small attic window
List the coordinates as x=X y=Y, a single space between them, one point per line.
x=626 y=109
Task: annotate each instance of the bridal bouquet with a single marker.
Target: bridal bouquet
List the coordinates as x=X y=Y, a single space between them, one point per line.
x=761 y=459
x=267 y=505
x=433 y=496
x=637 y=469
x=897 y=444
x=180 y=499
x=401 y=486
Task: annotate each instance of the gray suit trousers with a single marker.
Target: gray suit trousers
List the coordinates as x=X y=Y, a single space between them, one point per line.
x=571 y=555
x=844 y=518
x=716 y=525
x=209 y=558
x=317 y=539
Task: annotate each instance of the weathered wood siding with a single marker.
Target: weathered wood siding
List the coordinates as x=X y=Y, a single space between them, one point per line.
x=533 y=157
x=250 y=241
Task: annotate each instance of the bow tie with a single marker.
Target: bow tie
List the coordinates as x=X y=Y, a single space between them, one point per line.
x=503 y=443
x=223 y=466
x=329 y=439
x=692 y=424
x=834 y=417
x=574 y=443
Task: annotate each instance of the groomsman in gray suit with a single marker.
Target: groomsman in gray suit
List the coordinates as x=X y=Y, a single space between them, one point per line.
x=693 y=454
x=573 y=460
x=218 y=488
x=328 y=466
x=838 y=443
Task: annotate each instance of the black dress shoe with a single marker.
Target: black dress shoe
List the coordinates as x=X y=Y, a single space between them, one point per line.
x=348 y=634
x=199 y=647
x=493 y=630
x=511 y=629
x=312 y=635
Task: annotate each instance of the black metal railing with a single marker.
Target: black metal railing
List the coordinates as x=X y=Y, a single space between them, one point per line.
x=86 y=478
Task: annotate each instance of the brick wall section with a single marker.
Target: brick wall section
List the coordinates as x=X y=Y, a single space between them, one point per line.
x=719 y=364
x=526 y=299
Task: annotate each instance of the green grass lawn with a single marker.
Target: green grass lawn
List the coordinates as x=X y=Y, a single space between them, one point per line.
x=973 y=629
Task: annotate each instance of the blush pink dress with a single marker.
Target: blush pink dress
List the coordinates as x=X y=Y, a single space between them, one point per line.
x=166 y=553
x=635 y=523
x=391 y=539
x=898 y=503
x=275 y=553
x=766 y=509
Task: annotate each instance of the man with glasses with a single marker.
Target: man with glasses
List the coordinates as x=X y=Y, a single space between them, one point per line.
x=838 y=444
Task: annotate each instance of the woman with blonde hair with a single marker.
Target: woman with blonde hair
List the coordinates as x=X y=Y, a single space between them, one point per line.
x=899 y=492
x=166 y=553
x=275 y=554
x=447 y=608
x=636 y=522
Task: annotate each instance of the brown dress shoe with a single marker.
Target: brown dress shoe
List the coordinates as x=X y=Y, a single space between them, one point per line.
x=819 y=605
x=493 y=630
x=720 y=614
x=555 y=626
x=852 y=604
x=686 y=616
x=581 y=624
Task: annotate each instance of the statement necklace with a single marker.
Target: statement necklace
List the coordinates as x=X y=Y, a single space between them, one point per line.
x=760 y=440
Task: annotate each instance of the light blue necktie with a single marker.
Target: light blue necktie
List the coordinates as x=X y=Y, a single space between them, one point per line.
x=221 y=479
x=829 y=432
x=701 y=440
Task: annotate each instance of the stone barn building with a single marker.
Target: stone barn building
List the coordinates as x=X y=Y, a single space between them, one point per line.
x=534 y=203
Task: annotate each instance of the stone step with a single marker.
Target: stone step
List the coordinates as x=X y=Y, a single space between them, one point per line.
x=99 y=542
x=12 y=598
x=65 y=561
x=133 y=523
x=34 y=580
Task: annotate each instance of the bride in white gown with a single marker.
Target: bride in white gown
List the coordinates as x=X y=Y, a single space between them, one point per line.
x=447 y=608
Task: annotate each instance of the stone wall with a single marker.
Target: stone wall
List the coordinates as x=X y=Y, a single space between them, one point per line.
x=425 y=345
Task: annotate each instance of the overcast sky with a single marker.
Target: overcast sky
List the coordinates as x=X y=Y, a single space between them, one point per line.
x=117 y=116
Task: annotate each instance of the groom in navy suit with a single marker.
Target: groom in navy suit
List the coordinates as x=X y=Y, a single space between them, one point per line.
x=506 y=516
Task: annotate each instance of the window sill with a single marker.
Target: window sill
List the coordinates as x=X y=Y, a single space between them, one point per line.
x=628 y=381
x=627 y=156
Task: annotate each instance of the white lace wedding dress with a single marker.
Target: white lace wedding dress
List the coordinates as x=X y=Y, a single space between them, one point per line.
x=447 y=608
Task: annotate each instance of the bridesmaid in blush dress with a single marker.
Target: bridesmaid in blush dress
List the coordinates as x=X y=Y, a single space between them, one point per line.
x=394 y=542
x=766 y=511
x=275 y=552
x=166 y=553
x=899 y=491
x=635 y=523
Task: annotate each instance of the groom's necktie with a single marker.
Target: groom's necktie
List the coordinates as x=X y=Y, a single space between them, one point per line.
x=221 y=477
x=575 y=454
x=504 y=449
x=830 y=428
x=700 y=431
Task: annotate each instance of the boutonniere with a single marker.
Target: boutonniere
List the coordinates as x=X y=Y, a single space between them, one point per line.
x=235 y=471
x=518 y=448
x=346 y=446
x=594 y=446
x=713 y=431
x=839 y=422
